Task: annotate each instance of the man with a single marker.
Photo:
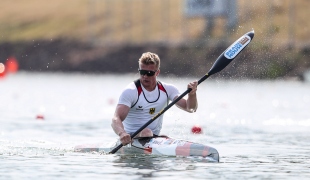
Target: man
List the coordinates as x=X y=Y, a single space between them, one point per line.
x=144 y=98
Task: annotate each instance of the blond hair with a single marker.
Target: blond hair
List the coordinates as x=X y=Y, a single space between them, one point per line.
x=149 y=58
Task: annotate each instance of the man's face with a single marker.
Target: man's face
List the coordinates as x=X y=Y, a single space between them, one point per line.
x=148 y=80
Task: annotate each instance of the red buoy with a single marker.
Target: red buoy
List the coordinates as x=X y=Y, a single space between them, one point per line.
x=111 y=101
x=196 y=129
x=40 y=117
x=2 y=70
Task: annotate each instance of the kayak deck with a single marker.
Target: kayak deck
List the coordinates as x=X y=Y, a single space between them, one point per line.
x=161 y=145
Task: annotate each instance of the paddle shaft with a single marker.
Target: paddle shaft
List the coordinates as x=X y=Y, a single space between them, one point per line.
x=222 y=61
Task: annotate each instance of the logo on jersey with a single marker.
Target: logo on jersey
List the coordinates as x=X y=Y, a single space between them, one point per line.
x=140 y=108
x=152 y=110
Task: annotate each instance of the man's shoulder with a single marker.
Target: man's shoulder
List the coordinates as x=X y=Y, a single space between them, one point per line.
x=130 y=88
x=129 y=95
x=167 y=85
x=171 y=90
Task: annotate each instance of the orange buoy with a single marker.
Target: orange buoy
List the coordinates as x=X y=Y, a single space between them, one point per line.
x=12 y=65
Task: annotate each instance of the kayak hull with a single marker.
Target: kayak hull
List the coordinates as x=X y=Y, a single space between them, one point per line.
x=160 y=145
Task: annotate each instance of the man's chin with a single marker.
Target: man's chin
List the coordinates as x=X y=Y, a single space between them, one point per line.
x=145 y=81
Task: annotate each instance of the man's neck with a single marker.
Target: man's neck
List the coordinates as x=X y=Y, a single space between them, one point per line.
x=150 y=88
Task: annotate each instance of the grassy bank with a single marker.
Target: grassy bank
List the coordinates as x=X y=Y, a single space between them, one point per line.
x=32 y=20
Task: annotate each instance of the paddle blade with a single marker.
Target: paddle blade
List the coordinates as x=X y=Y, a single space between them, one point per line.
x=231 y=52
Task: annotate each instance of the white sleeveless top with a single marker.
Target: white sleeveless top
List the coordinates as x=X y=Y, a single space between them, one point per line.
x=145 y=105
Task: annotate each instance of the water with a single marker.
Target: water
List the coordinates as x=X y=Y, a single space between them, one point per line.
x=260 y=128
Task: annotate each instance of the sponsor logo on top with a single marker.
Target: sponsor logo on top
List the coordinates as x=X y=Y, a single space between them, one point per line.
x=140 y=108
x=235 y=48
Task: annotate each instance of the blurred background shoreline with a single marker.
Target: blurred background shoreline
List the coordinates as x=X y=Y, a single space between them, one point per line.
x=108 y=36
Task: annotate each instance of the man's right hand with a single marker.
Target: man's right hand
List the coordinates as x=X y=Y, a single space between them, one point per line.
x=124 y=138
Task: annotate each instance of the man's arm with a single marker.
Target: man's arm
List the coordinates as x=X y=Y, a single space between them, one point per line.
x=190 y=104
x=117 y=123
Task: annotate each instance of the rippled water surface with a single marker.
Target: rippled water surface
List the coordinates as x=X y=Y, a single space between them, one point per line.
x=260 y=128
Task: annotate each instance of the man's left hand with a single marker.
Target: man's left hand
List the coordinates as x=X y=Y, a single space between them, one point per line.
x=193 y=86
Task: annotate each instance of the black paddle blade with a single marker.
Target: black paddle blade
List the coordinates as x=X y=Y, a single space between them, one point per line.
x=231 y=52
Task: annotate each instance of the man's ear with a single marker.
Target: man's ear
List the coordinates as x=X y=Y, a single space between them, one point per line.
x=157 y=72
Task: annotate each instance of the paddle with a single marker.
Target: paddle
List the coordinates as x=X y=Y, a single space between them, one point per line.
x=222 y=61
